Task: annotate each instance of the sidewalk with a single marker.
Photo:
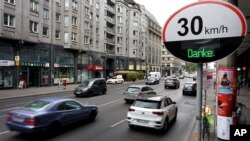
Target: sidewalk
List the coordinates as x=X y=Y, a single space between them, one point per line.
x=244 y=97
x=14 y=93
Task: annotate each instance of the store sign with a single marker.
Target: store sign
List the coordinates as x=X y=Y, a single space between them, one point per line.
x=204 y=31
x=33 y=64
x=6 y=63
x=94 y=67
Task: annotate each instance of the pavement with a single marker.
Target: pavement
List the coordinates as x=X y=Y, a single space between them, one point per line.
x=32 y=91
x=243 y=97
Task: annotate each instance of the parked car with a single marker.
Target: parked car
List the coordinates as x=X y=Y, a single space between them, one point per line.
x=89 y=87
x=194 y=77
x=154 y=112
x=137 y=91
x=152 y=81
x=189 y=88
x=49 y=114
x=172 y=82
x=115 y=80
x=181 y=76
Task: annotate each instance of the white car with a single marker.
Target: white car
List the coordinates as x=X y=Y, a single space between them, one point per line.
x=154 y=112
x=115 y=80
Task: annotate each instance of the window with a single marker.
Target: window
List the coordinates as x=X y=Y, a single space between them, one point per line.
x=57 y=35
x=97 y=6
x=135 y=42
x=73 y=36
x=9 y=20
x=74 y=20
x=34 y=6
x=86 y=39
x=119 y=19
x=86 y=25
x=97 y=30
x=66 y=37
x=10 y=1
x=86 y=10
x=45 y=31
x=119 y=29
x=33 y=27
x=97 y=17
x=66 y=4
x=119 y=9
x=74 y=4
x=57 y=17
x=91 y=15
x=66 y=21
x=58 y=2
x=135 y=14
x=119 y=40
x=135 y=51
x=135 y=33
x=91 y=2
x=45 y=13
x=135 y=23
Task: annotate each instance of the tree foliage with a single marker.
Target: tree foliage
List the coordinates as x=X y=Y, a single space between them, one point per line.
x=191 y=67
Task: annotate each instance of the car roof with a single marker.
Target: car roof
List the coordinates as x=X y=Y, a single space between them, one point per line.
x=54 y=99
x=140 y=86
x=191 y=82
x=154 y=98
x=93 y=79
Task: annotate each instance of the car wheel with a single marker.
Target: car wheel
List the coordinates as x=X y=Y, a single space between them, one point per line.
x=54 y=128
x=127 y=101
x=131 y=126
x=165 y=126
x=92 y=116
x=104 y=91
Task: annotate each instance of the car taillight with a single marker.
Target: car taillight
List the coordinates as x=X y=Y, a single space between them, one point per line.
x=159 y=113
x=31 y=122
x=9 y=117
x=131 y=110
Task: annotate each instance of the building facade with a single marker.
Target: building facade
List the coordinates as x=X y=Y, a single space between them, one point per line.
x=44 y=42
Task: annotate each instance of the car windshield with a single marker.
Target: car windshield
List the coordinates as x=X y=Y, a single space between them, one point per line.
x=114 y=77
x=37 y=105
x=169 y=80
x=133 y=89
x=85 y=83
x=187 y=85
x=151 y=78
x=147 y=104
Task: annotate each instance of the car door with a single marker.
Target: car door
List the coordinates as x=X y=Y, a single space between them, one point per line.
x=144 y=91
x=96 y=88
x=65 y=115
x=171 y=108
x=151 y=91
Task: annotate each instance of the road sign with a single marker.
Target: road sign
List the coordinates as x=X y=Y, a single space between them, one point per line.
x=204 y=31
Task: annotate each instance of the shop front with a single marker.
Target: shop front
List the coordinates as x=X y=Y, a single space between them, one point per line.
x=6 y=73
x=95 y=71
x=63 y=72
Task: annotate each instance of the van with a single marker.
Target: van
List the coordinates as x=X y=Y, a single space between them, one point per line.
x=90 y=87
x=155 y=74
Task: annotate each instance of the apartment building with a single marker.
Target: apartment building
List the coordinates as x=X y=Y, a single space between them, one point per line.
x=170 y=64
x=43 y=42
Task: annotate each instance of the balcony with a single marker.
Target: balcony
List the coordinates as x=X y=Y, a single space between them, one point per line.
x=111 y=20
x=110 y=41
x=110 y=10
x=110 y=51
x=111 y=2
x=110 y=30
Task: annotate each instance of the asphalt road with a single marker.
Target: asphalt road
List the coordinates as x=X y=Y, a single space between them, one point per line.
x=110 y=124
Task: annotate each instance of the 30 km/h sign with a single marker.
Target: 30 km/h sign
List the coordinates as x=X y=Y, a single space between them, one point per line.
x=204 y=31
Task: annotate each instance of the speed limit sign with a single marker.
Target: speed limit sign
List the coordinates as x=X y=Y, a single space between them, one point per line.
x=204 y=31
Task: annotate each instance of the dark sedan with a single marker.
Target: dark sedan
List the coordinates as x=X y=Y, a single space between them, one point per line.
x=49 y=114
x=152 y=81
x=189 y=88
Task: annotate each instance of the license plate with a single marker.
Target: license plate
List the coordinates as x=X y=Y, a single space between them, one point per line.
x=78 y=93
x=142 y=121
x=18 y=119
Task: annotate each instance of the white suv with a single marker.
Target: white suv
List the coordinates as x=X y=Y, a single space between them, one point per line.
x=154 y=112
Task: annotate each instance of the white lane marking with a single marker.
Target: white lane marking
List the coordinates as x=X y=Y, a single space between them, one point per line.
x=4 y=132
x=109 y=102
x=117 y=123
x=9 y=109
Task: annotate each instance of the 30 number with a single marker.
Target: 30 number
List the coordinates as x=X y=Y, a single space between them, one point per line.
x=194 y=31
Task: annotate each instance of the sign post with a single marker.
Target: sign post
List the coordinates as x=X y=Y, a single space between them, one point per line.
x=202 y=32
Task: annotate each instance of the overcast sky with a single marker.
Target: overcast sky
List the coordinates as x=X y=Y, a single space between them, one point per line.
x=162 y=9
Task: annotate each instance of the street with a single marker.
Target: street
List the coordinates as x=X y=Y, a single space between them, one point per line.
x=110 y=123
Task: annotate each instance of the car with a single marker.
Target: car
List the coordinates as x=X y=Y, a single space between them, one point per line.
x=189 y=88
x=49 y=114
x=194 y=77
x=181 y=76
x=115 y=80
x=137 y=91
x=154 y=112
x=171 y=82
x=90 y=87
x=152 y=81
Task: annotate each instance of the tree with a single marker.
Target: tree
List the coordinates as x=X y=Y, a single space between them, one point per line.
x=191 y=67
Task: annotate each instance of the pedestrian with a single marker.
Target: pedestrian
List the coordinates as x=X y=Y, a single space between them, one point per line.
x=64 y=84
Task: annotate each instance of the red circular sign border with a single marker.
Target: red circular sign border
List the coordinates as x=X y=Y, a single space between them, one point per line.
x=228 y=5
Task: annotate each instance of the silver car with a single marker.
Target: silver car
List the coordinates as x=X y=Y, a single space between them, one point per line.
x=138 y=91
